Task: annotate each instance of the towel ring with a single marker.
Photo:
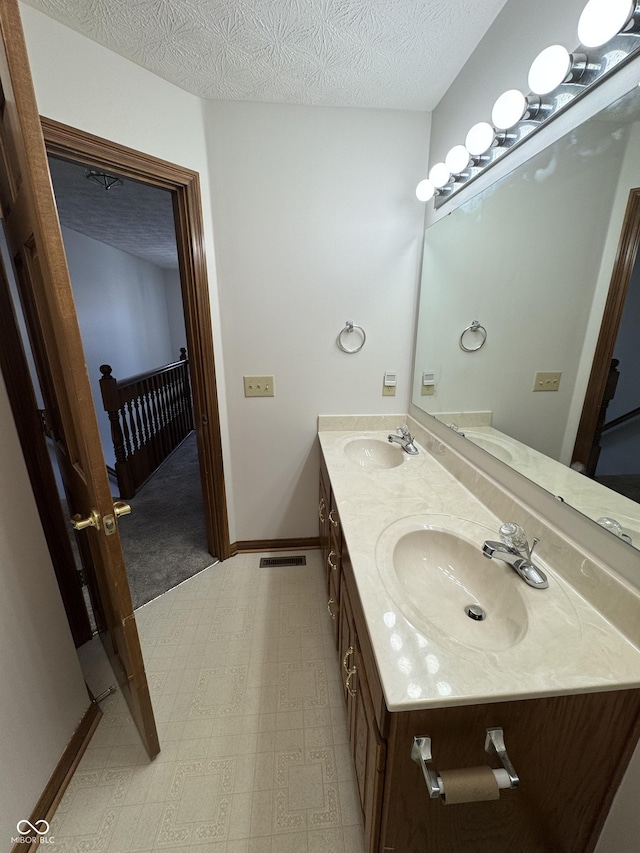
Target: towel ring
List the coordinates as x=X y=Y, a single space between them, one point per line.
x=474 y=327
x=347 y=330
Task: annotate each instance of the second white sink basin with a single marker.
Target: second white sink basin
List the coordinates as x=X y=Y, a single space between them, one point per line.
x=434 y=570
x=372 y=453
x=492 y=446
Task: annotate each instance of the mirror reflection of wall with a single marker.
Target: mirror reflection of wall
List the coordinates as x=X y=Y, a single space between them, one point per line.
x=531 y=258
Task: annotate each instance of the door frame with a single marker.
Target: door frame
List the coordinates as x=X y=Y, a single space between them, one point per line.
x=622 y=269
x=73 y=144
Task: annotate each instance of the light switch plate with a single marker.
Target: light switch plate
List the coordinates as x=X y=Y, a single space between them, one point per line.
x=259 y=386
x=547 y=380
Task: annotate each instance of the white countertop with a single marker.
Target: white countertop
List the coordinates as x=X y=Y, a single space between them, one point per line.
x=568 y=647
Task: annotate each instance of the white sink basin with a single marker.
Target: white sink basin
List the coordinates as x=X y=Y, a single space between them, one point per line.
x=434 y=569
x=372 y=453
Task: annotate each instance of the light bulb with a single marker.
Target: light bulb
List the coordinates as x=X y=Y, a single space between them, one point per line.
x=425 y=190
x=549 y=69
x=601 y=20
x=508 y=109
x=457 y=159
x=480 y=138
x=439 y=175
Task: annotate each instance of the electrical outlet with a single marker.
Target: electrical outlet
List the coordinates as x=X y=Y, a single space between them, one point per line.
x=259 y=386
x=388 y=390
x=427 y=390
x=547 y=381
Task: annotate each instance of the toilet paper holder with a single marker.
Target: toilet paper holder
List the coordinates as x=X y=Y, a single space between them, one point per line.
x=506 y=776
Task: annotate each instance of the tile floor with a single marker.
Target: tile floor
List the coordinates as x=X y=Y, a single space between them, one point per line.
x=255 y=758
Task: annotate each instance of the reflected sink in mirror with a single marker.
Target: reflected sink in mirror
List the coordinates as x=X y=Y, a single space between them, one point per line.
x=433 y=568
x=490 y=445
x=373 y=453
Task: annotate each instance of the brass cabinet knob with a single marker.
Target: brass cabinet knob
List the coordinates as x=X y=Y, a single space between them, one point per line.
x=321 y=508
x=329 y=610
x=345 y=658
x=332 y=565
x=350 y=690
x=333 y=521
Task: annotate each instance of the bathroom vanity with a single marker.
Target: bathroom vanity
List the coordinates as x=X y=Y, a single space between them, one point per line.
x=399 y=536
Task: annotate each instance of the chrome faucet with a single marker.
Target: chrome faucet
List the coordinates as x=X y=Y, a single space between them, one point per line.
x=405 y=440
x=514 y=550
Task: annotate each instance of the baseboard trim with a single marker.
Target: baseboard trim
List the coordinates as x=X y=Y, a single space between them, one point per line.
x=250 y=546
x=65 y=768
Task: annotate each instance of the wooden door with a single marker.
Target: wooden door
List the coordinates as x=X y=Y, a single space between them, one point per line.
x=35 y=245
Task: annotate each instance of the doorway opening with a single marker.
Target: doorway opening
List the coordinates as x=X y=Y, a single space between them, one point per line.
x=607 y=445
x=120 y=244
x=182 y=186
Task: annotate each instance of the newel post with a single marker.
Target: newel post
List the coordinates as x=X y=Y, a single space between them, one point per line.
x=111 y=404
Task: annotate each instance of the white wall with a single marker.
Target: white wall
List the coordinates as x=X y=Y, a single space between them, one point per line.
x=82 y=84
x=43 y=696
x=316 y=222
x=122 y=309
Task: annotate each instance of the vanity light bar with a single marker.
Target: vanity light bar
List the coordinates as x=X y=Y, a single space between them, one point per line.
x=609 y=32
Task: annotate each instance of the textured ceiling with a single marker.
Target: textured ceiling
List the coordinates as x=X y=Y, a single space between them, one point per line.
x=134 y=218
x=398 y=54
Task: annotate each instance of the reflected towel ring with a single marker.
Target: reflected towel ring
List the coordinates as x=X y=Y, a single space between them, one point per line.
x=474 y=327
x=348 y=329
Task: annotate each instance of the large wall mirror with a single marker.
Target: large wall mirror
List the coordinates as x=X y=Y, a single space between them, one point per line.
x=531 y=258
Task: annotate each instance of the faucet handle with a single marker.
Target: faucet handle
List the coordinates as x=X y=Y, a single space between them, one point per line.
x=514 y=536
x=403 y=429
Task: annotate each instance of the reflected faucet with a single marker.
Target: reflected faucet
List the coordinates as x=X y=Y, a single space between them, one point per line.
x=405 y=440
x=514 y=550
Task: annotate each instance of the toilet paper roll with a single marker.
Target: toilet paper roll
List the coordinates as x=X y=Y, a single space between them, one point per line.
x=469 y=785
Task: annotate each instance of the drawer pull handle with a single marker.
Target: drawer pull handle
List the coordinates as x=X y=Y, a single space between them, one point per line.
x=332 y=519
x=329 y=610
x=344 y=659
x=333 y=566
x=350 y=690
x=505 y=777
x=321 y=508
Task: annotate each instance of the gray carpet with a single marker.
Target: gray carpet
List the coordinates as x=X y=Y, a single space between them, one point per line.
x=164 y=539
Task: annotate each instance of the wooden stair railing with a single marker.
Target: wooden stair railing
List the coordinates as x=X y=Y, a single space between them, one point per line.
x=150 y=415
x=622 y=419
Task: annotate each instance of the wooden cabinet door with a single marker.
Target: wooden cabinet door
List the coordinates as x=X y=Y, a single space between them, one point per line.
x=35 y=244
x=369 y=754
x=367 y=746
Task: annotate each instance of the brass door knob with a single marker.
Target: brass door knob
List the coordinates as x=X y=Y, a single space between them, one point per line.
x=80 y=523
x=121 y=508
